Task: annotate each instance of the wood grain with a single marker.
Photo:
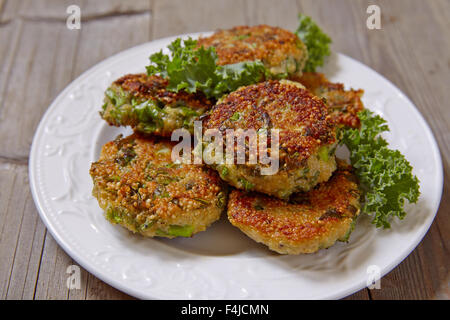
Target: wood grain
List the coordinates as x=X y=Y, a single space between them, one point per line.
x=39 y=56
x=58 y=57
x=172 y=17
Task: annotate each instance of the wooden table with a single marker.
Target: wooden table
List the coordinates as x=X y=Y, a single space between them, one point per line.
x=39 y=56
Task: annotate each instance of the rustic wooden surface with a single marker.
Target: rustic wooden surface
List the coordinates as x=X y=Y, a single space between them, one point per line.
x=39 y=56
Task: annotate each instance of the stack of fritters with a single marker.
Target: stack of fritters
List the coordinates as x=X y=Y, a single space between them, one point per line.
x=309 y=203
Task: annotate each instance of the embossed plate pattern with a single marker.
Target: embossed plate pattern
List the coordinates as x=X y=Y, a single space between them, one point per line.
x=221 y=262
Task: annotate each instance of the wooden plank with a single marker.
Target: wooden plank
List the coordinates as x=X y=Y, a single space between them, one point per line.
x=95 y=43
x=173 y=17
x=55 y=10
x=11 y=216
x=25 y=267
x=81 y=293
x=56 y=60
x=284 y=15
x=52 y=278
x=360 y=295
x=9 y=34
x=98 y=290
x=10 y=11
x=338 y=20
x=22 y=234
x=26 y=96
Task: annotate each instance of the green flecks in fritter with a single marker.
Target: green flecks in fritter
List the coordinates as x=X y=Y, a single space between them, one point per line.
x=176 y=231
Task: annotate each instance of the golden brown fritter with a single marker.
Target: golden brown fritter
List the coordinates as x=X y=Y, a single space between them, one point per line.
x=307 y=135
x=308 y=222
x=344 y=104
x=281 y=51
x=301 y=117
x=139 y=187
x=150 y=87
x=144 y=103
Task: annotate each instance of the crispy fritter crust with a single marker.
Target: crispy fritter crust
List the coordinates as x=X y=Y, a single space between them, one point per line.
x=309 y=222
x=302 y=118
x=344 y=104
x=272 y=45
x=139 y=187
x=150 y=87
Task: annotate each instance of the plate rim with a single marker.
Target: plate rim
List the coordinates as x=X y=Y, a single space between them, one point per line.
x=91 y=268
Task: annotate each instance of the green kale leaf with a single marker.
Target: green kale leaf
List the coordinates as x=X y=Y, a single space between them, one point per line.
x=195 y=69
x=316 y=41
x=384 y=174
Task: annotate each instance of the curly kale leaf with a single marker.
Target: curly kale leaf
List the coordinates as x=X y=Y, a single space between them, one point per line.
x=384 y=174
x=316 y=41
x=195 y=69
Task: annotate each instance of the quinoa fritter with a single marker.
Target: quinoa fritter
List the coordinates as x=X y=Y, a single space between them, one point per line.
x=281 y=51
x=139 y=187
x=144 y=103
x=344 y=104
x=308 y=222
x=307 y=136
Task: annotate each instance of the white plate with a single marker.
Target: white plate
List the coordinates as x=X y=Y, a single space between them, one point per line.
x=221 y=262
